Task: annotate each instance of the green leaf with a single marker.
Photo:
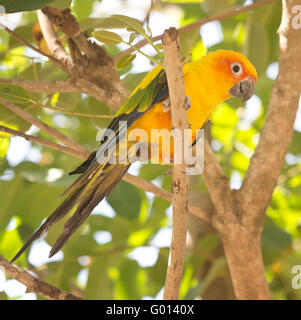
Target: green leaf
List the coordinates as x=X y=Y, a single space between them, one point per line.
x=153 y=171
x=184 y=1
x=25 y=32
x=13 y=93
x=295 y=146
x=130 y=23
x=98 y=277
x=97 y=107
x=257 y=45
x=19 y=96
x=273 y=237
x=127 y=286
x=124 y=61
x=10 y=242
x=188 y=41
x=103 y=23
x=215 y=271
x=108 y=37
x=61 y=4
x=9 y=191
x=82 y=8
x=21 y=5
x=125 y=200
x=133 y=36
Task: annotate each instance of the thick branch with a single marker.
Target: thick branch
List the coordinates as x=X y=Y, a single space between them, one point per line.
x=54 y=45
x=94 y=70
x=267 y=161
x=241 y=222
x=180 y=182
x=33 y=284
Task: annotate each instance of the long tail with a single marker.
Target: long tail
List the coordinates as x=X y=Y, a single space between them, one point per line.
x=88 y=190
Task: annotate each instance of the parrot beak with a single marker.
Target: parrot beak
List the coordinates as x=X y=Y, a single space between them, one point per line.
x=243 y=89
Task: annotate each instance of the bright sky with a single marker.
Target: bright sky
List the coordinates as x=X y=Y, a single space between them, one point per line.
x=20 y=149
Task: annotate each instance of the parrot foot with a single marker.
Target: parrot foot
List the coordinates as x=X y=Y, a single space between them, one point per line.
x=187 y=103
x=166 y=104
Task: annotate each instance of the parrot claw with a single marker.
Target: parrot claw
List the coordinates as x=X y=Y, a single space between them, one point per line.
x=187 y=103
x=166 y=104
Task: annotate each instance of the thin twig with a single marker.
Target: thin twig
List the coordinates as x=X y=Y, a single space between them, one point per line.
x=80 y=114
x=197 y=24
x=29 y=45
x=33 y=284
x=164 y=194
x=45 y=127
x=74 y=85
x=40 y=141
x=43 y=86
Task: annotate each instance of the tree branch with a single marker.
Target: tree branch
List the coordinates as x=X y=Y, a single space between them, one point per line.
x=29 y=45
x=180 y=182
x=93 y=72
x=33 y=284
x=267 y=160
x=44 y=127
x=43 y=86
x=159 y=192
x=54 y=45
x=42 y=142
x=69 y=85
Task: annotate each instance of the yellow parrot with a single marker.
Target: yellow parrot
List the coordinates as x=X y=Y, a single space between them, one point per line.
x=208 y=82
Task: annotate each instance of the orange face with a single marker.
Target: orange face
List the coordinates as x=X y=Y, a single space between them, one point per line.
x=236 y=72
x=234 y=64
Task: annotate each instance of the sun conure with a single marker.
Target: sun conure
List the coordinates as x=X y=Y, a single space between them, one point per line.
x=208 y=82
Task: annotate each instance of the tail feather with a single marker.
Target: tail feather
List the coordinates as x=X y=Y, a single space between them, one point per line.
x=88 y=199
x=58 y=214
x=105 y=183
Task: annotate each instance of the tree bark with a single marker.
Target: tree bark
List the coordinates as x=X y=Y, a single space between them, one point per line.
x=180 y=182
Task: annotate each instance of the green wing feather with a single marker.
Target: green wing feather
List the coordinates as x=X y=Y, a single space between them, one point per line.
x=150 y=91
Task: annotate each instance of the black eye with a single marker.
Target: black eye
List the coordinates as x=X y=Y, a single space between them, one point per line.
x=236 y=68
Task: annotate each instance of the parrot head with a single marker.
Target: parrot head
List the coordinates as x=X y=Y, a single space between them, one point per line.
x=234 y=74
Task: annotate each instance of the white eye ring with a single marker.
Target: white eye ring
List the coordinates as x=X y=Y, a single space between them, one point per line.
x=236 y=69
